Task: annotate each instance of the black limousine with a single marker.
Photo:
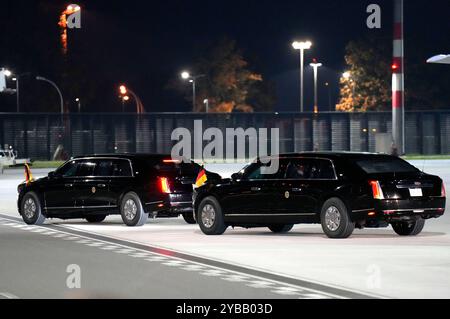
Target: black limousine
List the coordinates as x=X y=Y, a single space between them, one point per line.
x=93 y=187
x=340 y=191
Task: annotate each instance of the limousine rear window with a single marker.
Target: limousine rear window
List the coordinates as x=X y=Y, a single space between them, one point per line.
x=388 y=165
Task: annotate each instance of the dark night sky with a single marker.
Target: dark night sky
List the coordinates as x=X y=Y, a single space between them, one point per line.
x=145 y=44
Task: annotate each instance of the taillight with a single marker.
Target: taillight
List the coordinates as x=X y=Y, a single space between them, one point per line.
x=164 y=185
x=376 y=190
x=443 y=194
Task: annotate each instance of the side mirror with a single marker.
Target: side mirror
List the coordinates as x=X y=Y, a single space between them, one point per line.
x=236 y=176
x=53 y=175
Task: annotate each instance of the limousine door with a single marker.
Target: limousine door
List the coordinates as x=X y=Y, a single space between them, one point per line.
x=307 y=180
x=93 y=189
x=59 y=191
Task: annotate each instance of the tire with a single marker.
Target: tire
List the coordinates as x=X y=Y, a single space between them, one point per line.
x=132 y=211
x=95 y=218
x=335 y=220
x=409 y=228
x=210 y=217
x=189 y=218
x=31 y=209
x=281 y=229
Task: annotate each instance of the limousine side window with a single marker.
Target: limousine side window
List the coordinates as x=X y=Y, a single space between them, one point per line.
x=68 y=170
x=109 y=168
x=310 y=169
x=254 y=172
x=77 y=169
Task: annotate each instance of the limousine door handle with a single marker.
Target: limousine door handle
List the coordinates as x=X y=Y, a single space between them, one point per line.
x=101 y=185
x=256 y=189
x=68 y=185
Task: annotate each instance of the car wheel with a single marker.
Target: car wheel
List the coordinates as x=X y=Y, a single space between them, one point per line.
x=189 y=218
x=95 y=218
x=210 y=217
x=31 y=209
x=413 y=228
x=132 y=211
x=335 y=220
x=281 y=229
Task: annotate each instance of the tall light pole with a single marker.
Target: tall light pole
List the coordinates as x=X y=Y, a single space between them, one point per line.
x=192 y=79
x=315 y=66
x=302 y=46
x=40 y=78
x=124 y=91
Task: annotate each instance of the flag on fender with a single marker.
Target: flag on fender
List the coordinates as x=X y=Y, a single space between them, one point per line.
x=201 y=179
x=28 y=175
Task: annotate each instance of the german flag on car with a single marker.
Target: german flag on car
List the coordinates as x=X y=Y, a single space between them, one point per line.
x=201 y=178
x=28 y=175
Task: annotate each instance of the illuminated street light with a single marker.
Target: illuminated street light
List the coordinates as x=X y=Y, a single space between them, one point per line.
x=124 y=97
x=185 y=75
x=315 y=66
x=192 y=79
x=302 y=46
x=123 y=89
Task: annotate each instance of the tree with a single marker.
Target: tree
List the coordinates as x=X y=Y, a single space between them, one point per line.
x=229 y=84
x=368 y=84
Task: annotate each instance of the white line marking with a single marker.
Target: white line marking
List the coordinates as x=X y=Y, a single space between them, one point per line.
x=156 y=258
x=235 y=278
x=140 y=255
x=174 y=263
x=125 y=251
x=110 y=247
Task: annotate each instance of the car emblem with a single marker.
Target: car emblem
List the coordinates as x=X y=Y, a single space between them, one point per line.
x=93 y=190
x=287 y=195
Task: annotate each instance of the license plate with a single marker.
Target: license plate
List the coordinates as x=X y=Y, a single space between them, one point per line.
x=415 y=192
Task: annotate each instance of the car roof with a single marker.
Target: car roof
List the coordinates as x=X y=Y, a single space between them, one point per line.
x=336 y=155
x=129 y=156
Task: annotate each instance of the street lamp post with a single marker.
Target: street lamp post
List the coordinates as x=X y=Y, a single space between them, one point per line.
x=40 y=78
x=139 y=105
x=315 y=66
x=301 y=46
x=192 y=79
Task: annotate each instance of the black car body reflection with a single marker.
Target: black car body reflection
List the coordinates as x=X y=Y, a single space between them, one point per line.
x=339 y=190
x=93 y=187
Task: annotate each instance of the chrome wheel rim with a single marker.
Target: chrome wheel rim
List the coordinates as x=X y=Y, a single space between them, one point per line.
x=208 y=215
x=332 y=218
x=130 y=209
x=29 y=208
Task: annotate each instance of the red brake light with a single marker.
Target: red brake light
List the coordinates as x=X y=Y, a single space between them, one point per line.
x=164 y=185
x=443 y=193
x=376 y=190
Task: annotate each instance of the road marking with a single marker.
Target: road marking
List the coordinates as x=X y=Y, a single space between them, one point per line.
x=250 y=277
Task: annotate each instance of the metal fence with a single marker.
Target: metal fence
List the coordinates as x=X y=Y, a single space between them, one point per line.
x=37 y=136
